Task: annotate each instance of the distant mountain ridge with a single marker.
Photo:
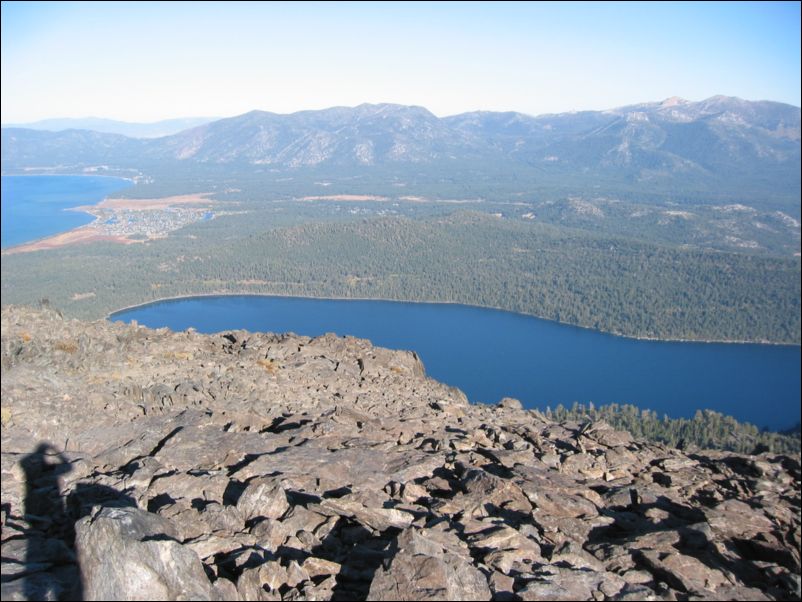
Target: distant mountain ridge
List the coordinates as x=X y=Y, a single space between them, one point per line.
x=153 y=129
x=720 y=143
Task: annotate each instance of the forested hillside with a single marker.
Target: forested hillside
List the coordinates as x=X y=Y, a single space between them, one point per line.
x=609 y=283
x=706 y=430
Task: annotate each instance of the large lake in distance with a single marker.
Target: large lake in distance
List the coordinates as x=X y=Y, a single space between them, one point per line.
x=35 y=207
x=490 y=354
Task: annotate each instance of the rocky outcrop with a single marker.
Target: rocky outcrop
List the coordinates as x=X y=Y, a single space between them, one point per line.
x=143 y=463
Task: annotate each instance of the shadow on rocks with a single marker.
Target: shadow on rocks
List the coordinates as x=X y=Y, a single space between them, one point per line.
x=360 y=553
x=50 y=569
x=694 y=538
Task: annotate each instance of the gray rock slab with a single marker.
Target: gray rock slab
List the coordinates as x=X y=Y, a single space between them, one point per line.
x=130 y=554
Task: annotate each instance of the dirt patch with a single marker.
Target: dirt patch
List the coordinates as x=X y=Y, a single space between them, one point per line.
x=144 y=204
x=344 y=197
x=81 y=296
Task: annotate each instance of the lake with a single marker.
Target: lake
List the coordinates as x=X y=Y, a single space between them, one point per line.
x=35 y=207
x=491 y=354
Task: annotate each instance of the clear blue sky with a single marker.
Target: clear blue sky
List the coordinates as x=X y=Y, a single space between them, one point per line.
x=148 y=61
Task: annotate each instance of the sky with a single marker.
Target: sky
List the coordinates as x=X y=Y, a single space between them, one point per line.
x=146 y=61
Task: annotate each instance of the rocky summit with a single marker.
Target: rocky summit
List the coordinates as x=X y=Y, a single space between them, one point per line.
x=150 y=464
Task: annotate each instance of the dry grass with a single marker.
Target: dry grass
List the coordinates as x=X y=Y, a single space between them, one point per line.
x=179 y=355
x=66 y=346
x=269 y=365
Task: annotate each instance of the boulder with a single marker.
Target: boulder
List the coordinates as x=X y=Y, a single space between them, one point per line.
x=510 y=403
x=263 y=498
x=130 y=554
x=424 y=570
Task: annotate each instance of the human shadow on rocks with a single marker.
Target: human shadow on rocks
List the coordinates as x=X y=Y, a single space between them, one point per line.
x=51 y=570
x=360 y=552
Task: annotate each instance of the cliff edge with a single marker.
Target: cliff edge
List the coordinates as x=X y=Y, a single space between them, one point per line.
x=148 y=464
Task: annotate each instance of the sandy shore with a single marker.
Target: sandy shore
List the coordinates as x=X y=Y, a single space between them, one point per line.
x=82 y=235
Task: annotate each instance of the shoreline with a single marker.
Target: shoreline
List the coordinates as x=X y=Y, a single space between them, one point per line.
x=92 y=232
x=80 y=235
x=324 y=298
x=77 y=235
x=65 y=175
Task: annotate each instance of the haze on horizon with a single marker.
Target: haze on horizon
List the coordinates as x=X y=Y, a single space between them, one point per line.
x=152 y=61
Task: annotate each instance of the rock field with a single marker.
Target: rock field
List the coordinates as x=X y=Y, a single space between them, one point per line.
x=146 y=464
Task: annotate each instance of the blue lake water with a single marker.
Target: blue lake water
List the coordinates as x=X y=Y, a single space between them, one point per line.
x=35 y=207
x=490 y=354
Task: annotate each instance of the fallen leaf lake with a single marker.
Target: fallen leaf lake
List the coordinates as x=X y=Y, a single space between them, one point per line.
x=487 y=353
x=490 y=354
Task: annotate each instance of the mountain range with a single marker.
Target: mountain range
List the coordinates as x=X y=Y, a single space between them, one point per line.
x=721 y=143
x=153 y=129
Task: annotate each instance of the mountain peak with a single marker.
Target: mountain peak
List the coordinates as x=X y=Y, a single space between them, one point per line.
x=391 y=108
x=673 y=102
x=724 y=98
